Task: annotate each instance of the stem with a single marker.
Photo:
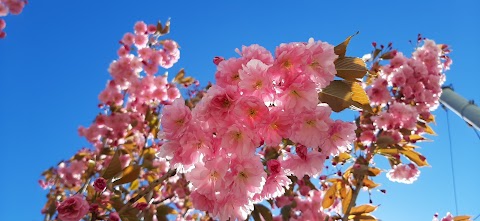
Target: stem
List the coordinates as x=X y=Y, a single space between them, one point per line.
x=94 y=217
x=355 y=193
x=147 y=190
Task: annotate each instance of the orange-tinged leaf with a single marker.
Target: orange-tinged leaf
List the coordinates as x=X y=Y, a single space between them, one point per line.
x=340 y=95
x=129 y=174
x=113 y=168
x=429 y=130
x=369 y=183
x=372 y=171
x=347 y=199
x=362 y=217
x=180 y=75
x=415 y=157
x=426 y=128
x=461 y=218
x=416 y=137
x=334 y=180
x=350 y=68
x=387 y=151
x=358 y=210
x=90 y=192
x=360 y=97
x=329 y=197
x=341 y=49
x=342 y=157
x=134 y=185
x=149 y=153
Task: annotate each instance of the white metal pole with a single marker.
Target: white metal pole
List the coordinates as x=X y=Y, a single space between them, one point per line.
x=463 y=108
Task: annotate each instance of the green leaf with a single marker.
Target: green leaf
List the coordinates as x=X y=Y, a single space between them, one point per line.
x=341 y=49
x=350 y=68
x=113 y=168
x=264 y=211
x=340 y=95
x=129 y=174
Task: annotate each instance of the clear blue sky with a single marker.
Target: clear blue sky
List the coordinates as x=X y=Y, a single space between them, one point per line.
x=54 y=62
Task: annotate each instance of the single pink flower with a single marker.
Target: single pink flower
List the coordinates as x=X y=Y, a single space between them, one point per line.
x=256 y=52
x=140 y=27
x=73 y=208
x=228 y=72
x=176 y=118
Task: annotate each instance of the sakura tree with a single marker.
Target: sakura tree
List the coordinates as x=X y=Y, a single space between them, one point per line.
x=255 y=144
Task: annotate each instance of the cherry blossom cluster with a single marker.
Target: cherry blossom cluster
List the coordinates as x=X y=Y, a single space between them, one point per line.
x=130 y=103
x=448 y=217
x=407 y=90
x=13 y=7
x=259 y=101
x=145 y=92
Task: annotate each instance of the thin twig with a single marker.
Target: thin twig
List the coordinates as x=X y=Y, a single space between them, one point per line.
x=147 y=190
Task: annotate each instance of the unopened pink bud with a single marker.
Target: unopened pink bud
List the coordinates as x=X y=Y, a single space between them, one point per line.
x=141 y=205
x=217 y=60
x=100 y=184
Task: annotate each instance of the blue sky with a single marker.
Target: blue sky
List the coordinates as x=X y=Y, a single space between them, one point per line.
x=54 y=62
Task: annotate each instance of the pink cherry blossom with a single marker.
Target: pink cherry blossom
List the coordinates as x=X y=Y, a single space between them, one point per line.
x=404 y=173
x=240 y=140
x=256 y=81
x=247 y=176
x=304 y=162
x=256 y=52
x=71 y=174
x=176 y=119
x=276 y=125
x=311 y=127
x=289 y=60
x=73 y=208
x=300 y=93
x=250 y=110
x=228 y=72
x=209 y=177
x=340 y=136
x=233 y=207
x=320 y=62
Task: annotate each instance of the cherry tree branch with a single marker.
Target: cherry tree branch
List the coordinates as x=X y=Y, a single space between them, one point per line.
x=147 y=190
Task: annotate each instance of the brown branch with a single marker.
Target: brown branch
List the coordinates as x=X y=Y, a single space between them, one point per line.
x=355 y=193
x=359 y=185
x=147 y=190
